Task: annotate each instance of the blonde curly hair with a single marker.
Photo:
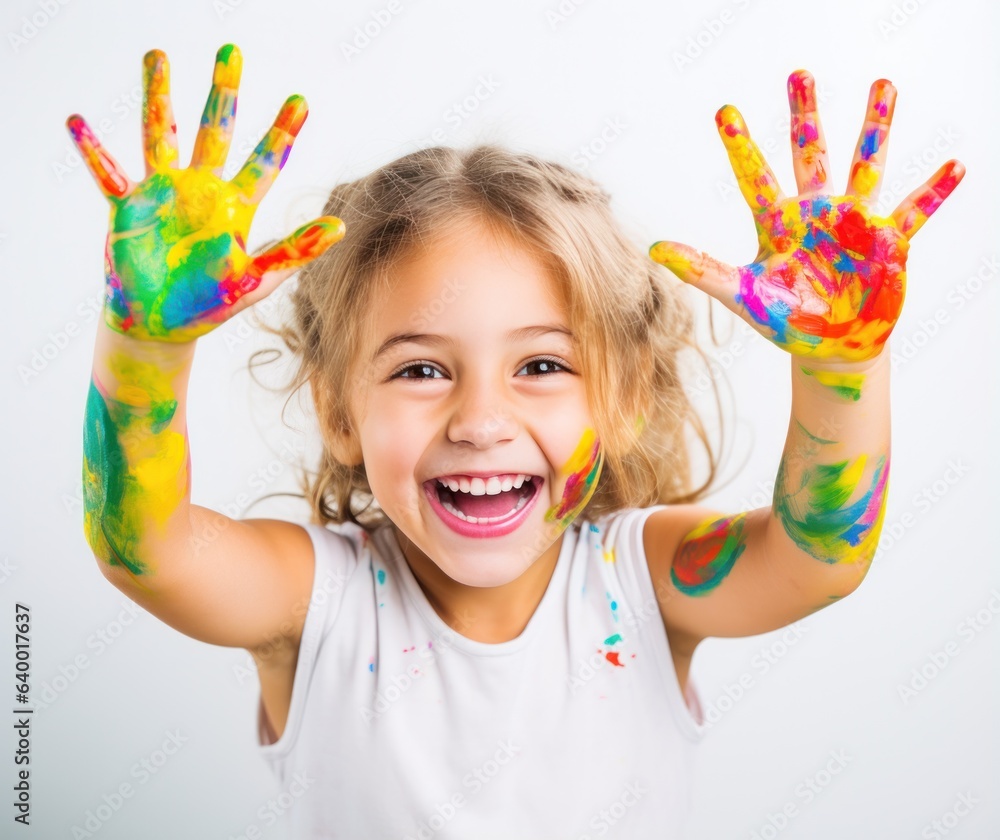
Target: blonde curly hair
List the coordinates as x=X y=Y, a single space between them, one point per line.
x=628 y=314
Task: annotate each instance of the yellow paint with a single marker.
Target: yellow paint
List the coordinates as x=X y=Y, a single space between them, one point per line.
x=865 y=178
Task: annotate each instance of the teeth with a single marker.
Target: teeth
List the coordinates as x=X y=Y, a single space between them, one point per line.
x=481 y=520
x=489 y=487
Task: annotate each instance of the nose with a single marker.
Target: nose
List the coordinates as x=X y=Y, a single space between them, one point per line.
x=482 y=415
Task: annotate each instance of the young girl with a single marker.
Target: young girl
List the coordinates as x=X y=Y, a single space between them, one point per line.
x=493 y=638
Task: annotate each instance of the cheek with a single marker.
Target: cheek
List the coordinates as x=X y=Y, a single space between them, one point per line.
x=567 y=424
x=391 y=444
x=577 y=478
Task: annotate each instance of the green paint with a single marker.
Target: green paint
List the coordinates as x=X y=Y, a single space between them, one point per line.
x=110 y=522
x=818 y=516
x=707 y=554
x=225 y=53
x=844 y=385
x=811 y=436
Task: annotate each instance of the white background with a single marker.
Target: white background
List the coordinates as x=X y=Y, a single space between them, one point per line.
x=560 y=81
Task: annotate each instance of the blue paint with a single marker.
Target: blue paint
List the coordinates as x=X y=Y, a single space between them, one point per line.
x=870 y=145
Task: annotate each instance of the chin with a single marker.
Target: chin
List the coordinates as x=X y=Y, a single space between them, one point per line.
x=486 y=571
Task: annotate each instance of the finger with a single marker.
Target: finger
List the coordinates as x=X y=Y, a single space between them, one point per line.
x=281 y=260
x=755 y=178
x=809 y=156
x=219 y=117
x=303 y=246
x=919 y=205
x=264 y=163
x=869 y=157
x=159 y=131
x=697 y=268
x=110 y=177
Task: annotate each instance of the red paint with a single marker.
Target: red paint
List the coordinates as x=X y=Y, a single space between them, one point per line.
x=112 y=181
x=801 y=92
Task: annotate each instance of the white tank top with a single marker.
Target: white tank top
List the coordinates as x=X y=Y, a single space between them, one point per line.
x=399 y=727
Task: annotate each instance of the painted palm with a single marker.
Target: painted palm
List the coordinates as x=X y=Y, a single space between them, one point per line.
x=176 y=262
x=830 y=275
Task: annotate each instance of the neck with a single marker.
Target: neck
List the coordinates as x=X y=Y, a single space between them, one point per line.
x=492 y=614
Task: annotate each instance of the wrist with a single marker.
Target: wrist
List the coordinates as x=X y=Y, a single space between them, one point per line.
x=140 y=331
x=880 y=360
x=138 y=345
x=842 y=382
x=139 y=373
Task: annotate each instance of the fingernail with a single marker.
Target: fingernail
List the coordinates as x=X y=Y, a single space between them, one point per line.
x=156 y=73
x=78 y=128
x=729 y=121
x=882 y=101
x=950 y=178
x=801 y=92
x=228 y=67
x=292 y=115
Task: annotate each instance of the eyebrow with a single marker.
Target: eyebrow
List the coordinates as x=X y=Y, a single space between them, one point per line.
x=434 y=340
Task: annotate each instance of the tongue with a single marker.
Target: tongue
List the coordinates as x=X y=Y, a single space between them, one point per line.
x=488 y=506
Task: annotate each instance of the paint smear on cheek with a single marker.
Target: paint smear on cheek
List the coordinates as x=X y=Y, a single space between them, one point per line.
x=707 y=554
x=582 y=471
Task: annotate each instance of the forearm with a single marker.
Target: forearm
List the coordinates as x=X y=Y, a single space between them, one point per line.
x=136 y=466
x=832 y=484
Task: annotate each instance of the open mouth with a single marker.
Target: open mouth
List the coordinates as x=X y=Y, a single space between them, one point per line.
x=486 y=508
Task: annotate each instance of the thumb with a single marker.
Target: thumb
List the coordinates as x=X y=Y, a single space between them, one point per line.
x=303 y=246
x=268 y=270
x=718 y=279
x=261 y=288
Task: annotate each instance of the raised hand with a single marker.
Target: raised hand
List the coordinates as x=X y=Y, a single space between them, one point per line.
x=829 y=278
x=176 y=263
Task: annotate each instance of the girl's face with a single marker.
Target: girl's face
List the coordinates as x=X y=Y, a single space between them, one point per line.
x=474 y=372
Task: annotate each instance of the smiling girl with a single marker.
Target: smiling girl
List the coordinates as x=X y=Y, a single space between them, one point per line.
x=486 y=630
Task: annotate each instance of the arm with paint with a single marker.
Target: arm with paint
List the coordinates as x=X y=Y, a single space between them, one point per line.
x=827 y=287
x=176 y=267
